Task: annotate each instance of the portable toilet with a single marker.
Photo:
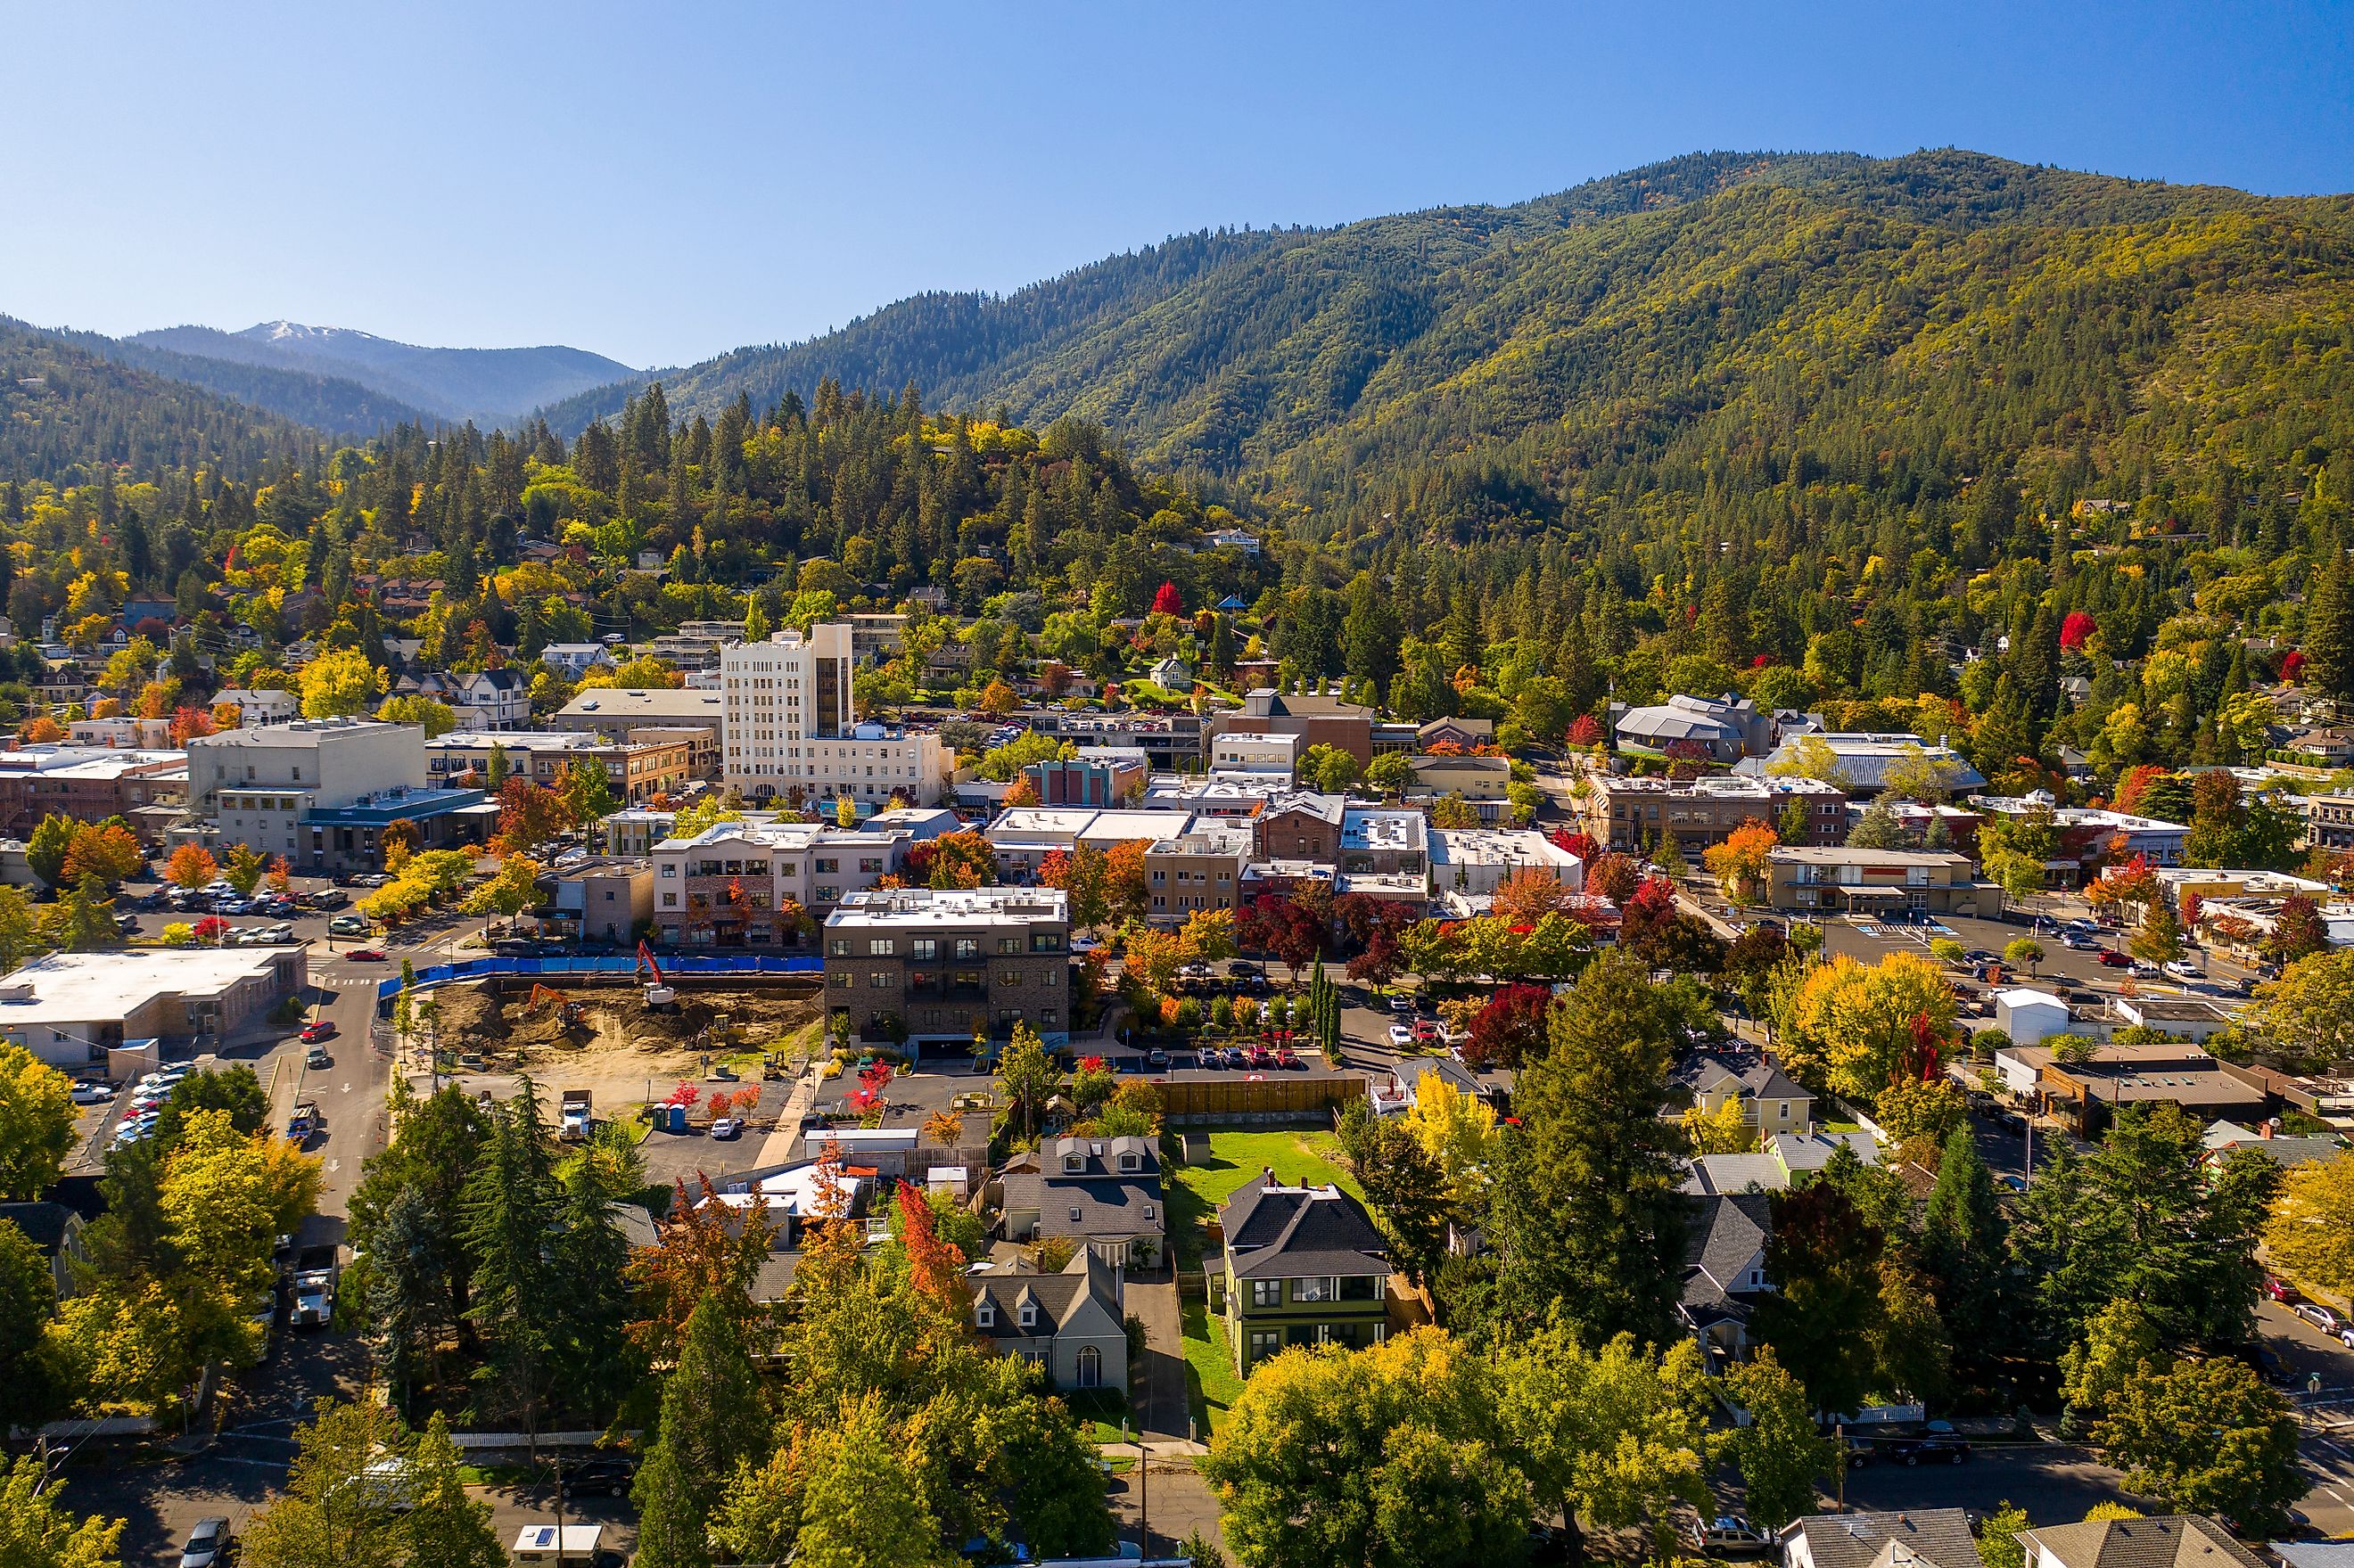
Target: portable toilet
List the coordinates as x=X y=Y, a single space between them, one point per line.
x=670 y=1118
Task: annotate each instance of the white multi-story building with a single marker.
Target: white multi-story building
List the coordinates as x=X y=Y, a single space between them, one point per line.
x=320 y=791
x=732 y=884
x=493 y=699
x=790 y=729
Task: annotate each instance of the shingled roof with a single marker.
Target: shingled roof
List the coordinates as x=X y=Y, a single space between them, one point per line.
x=1275 y=1231
x=2182 y=1540
x=1918 y=1538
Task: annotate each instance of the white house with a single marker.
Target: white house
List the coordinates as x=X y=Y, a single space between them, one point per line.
x=493 y=700
x=255 y=707
x=576 y=659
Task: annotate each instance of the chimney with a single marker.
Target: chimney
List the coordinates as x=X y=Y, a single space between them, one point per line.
x=2271 y=1125
x=1267 y=1176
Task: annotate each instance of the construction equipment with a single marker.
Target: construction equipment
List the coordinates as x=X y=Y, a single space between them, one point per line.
x=567 y=1012
x=660 y=996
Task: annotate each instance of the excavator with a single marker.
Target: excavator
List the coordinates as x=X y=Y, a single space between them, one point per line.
x=567 y=1012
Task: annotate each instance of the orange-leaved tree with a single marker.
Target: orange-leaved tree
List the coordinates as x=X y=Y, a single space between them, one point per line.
x=1739 y=863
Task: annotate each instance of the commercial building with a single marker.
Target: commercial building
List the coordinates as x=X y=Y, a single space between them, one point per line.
x=1474 y=861
x=1385 y=841
x=1626 y=813
x=2329 y=821
x=1478 y=779
x=1244 y=751
x=596 y=898
x=1025 y=835
x=1301 y=826
x=943 y=965
x=746 y=884
x=2090 y=835
x=1722 y=729
x=1170 y=740
x=90 y=784
x=1316 y=718
x=1196 y=870
x=623 y=711
x=2088 y=1095
x=1105 y=776
x=1813 y=880
x=790 y=729
x=322 y=792
x=1864 y=760
x=71 y=1009
x=635 y=769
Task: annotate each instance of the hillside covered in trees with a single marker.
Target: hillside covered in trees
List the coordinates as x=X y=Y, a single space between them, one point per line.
x=1816 y=428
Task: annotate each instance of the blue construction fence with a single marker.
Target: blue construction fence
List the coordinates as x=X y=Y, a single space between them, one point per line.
x=535 y=969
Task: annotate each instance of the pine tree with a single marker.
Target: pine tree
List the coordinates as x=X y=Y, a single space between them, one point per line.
x=2329 y=631
x=1963 y=1247
x=510 y=1204
x=713 y=1418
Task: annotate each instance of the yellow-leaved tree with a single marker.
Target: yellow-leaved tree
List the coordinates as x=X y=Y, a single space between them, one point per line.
x=1456 y=1130
x=339 y=682
x=2311 y=1233
x=1855 y=1023
x=36 y=1118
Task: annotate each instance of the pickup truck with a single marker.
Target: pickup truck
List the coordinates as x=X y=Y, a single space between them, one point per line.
x=573 y=1118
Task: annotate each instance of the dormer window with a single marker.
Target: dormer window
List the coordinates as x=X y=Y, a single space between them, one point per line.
x=1148 y=1211
x=1029 y=1315
x=1130 y=1161
x=1073 y=1164
x=984 y=1314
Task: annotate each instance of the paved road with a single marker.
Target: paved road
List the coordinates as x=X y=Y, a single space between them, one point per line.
x=2054 y=1483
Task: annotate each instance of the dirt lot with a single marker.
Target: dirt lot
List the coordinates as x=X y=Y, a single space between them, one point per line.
x=615 y=1045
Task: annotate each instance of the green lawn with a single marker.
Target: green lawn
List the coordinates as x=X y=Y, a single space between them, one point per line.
x=1211 y=1386
x=1194 y=1193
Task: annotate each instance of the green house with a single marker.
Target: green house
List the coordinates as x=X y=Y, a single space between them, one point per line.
x=1301 y=1265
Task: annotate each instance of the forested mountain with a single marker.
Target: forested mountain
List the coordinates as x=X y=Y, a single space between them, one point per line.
x=63 y=408
x=335 y=404
x=488 y=385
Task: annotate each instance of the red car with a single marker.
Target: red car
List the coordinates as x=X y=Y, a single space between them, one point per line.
x=2278 y=1289
x=366 y=955
x=313 y=1033
x=2113 y=959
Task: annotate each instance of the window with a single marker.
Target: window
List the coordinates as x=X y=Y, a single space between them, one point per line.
x=1009 y=976
x=1073 y=1163
x=882 y=980
x=882 y=947
x=1315 y=1290
x=923 y=948
x=984 y=1314
x=1090 y=1367
x=839 y=981
x=1076 y=1214
x=1266 y=1292
x=1263 y=1344
x=838 y=947
x=871 y=864
x=1009 y=944
x=1029 y=1314
x=1148 y=1211
x=968 y=947
x=828 y=867
x=1128 y=1162
x=670 y=900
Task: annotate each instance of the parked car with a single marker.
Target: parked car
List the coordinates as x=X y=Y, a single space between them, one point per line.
x=1727 y=1535
x=1935 y=1447
x=1979 y=956
x=318 y=1029
x=366 y=955
x=94 y=1094
x=2320 y=1316
x=2278 y=1289
x=2184 y=969
x=727 y=1127
x=127 y=924
x=317 y=1059
x=348 y=926
x=2113 y=959
x=325 y=899
x=2076 y=942
x=1403 y=1005
x=2271 y=1368
x=1401 y=1035
x=209 y=1544
x=1288 y=1059
x=595 y=1479
x=1156 y=1059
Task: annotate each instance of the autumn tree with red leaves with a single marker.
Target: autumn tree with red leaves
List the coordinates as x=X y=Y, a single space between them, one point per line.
x=1510 y=1030
x=706 y=1250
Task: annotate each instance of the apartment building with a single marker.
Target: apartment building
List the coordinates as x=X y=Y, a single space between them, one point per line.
x=635 y=771
x=1317 y=720
x=1198 y=870
x=493 y=700
x=1626 y=813
x=1243 y=751
x=942 y=966
x=744 y=883
x=1103 y=776
x=788 y=728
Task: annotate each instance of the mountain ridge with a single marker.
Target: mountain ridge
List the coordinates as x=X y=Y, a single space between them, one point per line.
x=487 y=386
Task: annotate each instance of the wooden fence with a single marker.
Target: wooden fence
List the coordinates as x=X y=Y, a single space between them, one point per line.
x=1203 y=1101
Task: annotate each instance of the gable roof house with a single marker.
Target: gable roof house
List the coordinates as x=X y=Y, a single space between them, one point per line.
x=1724 y=729
x=1301 y=1265
x=1918 y=1538
x=56 y=1230
x=496 y=699
x=1103 y=1192
x=1070 y=1323
x=1772 y=1102
x=2182 y=1541
x=1724 y=1271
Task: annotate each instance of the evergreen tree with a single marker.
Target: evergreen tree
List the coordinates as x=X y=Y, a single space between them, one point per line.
x=713 y=1419
x=1963 y=1247
x=1587 y=1215
x=2329 y=644
x=510 y=1204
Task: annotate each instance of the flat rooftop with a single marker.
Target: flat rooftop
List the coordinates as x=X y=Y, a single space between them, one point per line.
x=905 y=906
x=1384 y=830
x=84 y=988
x=1495 y=846
x=374 y=810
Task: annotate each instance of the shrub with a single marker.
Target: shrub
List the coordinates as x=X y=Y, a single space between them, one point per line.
x=1987 y=1041
x=1247 y=1013
x=179 y=934
x=1189 y=1013
x=1222 y=1012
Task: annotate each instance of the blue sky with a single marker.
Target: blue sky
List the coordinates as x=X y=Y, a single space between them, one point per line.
x=664 y=182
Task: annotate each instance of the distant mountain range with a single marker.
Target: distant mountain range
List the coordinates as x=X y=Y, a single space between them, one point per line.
x=488 y=385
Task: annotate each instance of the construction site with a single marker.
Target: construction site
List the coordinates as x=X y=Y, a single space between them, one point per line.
x=613 y=1039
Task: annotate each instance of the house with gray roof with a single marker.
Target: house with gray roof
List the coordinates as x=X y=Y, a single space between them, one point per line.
x=1724 y=1271
x=1788 y=1159
x=1918 y=1538
x=2180 y=1541
x=56 y=1231
x=1772 y=1101
x=1103 y=1193
x=2283 y=1149
x=1301 y=1265
x=1069 y=1323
